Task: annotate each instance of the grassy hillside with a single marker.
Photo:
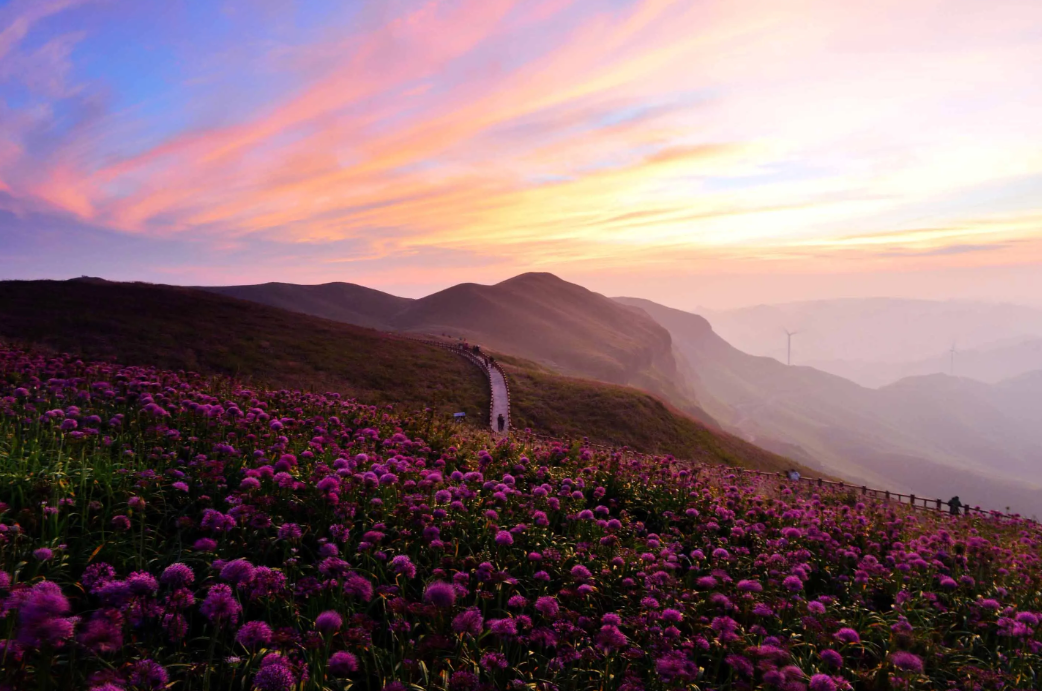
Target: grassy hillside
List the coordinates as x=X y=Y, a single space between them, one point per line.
x=610 y=414
x=412 y=557
x=536 y=316
x=179 y=328
x=343 y=302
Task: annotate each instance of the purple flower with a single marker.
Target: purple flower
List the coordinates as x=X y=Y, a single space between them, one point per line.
x=43 y=554
x=148 y=674
x=547 y=606
x=740 y=664
x=822 y=682
x=142 y=583
x=103 y=633
x=502 y=627
x=749 y=586
x=815 y=607
x=204 y=544
x=493 y=661
x=847 y=635
x=462 y=680
x=328 y=622
x=504 y=538
x=220 y=605
x=41 y=617
x=610 y=638
x=342 y=664
x=121 y=523
x=674 y=666
x=358 y=586
x=580 y=573
x=1029 y=618
x=253 y=635
x=468 y=621
x=249 y=483
x=403 y=565
x=289 y=531
x=793 y=584
x=440 y=594
x=97 y=575
x=907 y=662
x=673 y=616
x=705 y=582
x=237 y=571
x=831 y=658
x=275 y=674
x=177 y=575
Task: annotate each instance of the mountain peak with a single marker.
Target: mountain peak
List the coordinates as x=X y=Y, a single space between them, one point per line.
x=535 y=278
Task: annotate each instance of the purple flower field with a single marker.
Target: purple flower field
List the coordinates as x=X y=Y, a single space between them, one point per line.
x=164 y=530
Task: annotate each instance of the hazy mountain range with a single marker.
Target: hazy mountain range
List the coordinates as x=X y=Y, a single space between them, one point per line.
x=878 y=341
x=935 y=435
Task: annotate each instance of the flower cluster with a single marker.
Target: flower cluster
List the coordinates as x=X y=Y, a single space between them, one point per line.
x=187 y=532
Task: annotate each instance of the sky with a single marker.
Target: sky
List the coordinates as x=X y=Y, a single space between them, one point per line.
x=700 y=152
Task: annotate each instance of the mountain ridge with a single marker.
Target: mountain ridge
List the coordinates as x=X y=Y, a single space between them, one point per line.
x=874 y=435
x=536 y=316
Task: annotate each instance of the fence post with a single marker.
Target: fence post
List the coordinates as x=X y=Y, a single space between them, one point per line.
x=938 y=504
x=864 y=489
x=911 y=500
x=888 y=495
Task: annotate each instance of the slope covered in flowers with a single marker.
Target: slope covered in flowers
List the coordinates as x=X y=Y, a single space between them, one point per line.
x=164 y=531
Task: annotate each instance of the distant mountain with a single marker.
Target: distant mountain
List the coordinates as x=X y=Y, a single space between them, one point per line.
x=937 y=435
x=877 y=341
x=180 y=328
x=990 y=364
x=536 y=316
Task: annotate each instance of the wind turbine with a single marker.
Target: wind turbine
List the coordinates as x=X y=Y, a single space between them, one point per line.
x=788 y=350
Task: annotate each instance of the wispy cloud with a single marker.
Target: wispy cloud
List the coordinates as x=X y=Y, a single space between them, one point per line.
x=540 y=134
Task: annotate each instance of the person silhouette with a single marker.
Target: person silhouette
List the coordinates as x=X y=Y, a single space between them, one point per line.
x=954 y=504
x=501 y=421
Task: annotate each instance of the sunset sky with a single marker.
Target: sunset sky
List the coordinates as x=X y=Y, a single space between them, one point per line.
x=714 y=153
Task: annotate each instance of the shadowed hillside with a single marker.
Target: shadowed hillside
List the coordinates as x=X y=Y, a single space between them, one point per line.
x=342 y=302
x=536 y=316
x=937 y=435
x=568 y=407
x=187 y=329
x=181 y=328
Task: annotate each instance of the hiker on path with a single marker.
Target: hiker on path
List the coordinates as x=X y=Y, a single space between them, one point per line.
x=501 y=421
x=954 y=504
x=794 y=475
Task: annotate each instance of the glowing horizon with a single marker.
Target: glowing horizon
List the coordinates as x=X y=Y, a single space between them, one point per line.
x=637 y=146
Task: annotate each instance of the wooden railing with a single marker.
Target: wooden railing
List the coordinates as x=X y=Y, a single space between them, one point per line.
x=913 y=501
